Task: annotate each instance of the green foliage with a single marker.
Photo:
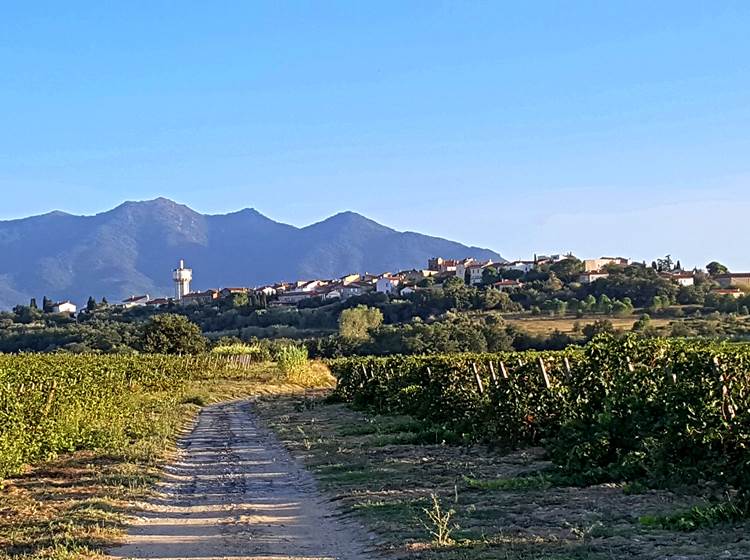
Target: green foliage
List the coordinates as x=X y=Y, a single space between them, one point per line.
x=357 y=322
x=619 y=409
x=292 y=360
x=698 y=517
x=257 y=352
x=172 y=334
x=61 y=403
x=715 y=268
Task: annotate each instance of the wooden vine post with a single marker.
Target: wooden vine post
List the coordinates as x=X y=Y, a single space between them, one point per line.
x=478 y=377
x=543 y=368
x=503 y=370
x=493 y=375
x=727 y=410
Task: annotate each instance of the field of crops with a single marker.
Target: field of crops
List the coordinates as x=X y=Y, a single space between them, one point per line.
x=660 y=411
x=58 y=403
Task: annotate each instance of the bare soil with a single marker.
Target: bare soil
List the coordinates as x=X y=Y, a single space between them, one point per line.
x=381 y=470
x=236 y=493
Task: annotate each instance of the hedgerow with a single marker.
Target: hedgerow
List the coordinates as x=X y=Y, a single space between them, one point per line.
x=621 y=409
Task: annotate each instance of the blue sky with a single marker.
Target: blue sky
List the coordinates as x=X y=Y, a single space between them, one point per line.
x=596 y=127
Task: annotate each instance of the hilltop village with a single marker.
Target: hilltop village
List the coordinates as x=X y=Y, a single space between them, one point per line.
x=505 y=276
x=546 y=302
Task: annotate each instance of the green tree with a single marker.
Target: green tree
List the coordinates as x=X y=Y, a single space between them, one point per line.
x=715 y=268
x=666 y=264
x=489 y=275
x=457 y=294
x=240 y=300
x=172 y=334
x=643 y=323
x=91 y=304
x=680 y=329
x=357 y=322
x=604 y=305
x=621 y=308
x=568 y=269
x=553 y=283
x=601 y=326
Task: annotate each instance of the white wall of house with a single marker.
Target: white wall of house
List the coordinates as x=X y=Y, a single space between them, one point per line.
x=386 y=285
x=475 y=275
x=64 y=307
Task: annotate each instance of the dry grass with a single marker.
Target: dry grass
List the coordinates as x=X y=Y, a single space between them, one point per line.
x=384 y=470
x=547 y=325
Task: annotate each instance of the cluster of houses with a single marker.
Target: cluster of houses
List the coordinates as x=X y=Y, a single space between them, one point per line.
x=404 y=282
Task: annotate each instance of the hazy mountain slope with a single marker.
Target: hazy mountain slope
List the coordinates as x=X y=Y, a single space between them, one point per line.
x=133 y=248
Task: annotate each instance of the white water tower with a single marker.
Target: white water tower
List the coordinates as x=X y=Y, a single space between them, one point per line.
x=182 y=277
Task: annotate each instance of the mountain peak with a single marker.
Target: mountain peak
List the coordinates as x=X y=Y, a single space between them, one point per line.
x=349 y=220
x=133 y=249
x=159 y=202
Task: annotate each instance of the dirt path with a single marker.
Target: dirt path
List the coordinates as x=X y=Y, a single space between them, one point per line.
x=237 y=494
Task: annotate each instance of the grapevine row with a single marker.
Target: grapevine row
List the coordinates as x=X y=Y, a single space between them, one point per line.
x=616 y=409
x=52 y=403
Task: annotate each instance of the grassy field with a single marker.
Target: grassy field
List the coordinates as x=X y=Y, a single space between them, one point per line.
x=385 y=470
x=73 y=506
x=547 y=325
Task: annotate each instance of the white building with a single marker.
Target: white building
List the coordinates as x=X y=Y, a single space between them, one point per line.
x=683 y=278
x=136 y=301
x=507 y=285
x=592 y=276
x=476 y=272
x=64 y=307
x=182 y=277
x=523 y=266
x=355 y=289
x=387 y=284
x=267 y=290
x=294 y=296
x=461 y=267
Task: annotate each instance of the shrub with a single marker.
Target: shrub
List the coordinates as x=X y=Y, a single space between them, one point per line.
x=292 y=360
x=257 y=352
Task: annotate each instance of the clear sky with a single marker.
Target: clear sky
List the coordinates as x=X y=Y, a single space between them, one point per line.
x=597 y=127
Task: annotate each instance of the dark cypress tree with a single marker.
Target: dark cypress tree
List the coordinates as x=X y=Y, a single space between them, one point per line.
x=91 y=304
x=32 y=304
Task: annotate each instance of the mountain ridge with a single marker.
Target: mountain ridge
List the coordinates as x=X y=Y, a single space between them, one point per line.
x=132 y=248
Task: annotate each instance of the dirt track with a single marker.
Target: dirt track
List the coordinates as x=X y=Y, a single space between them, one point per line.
x=237 y=494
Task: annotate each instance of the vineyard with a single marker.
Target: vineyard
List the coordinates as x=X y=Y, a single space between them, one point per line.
x=659 y=411
x=60 y=403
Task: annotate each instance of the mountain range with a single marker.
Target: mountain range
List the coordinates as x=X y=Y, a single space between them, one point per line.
x=133 y=248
